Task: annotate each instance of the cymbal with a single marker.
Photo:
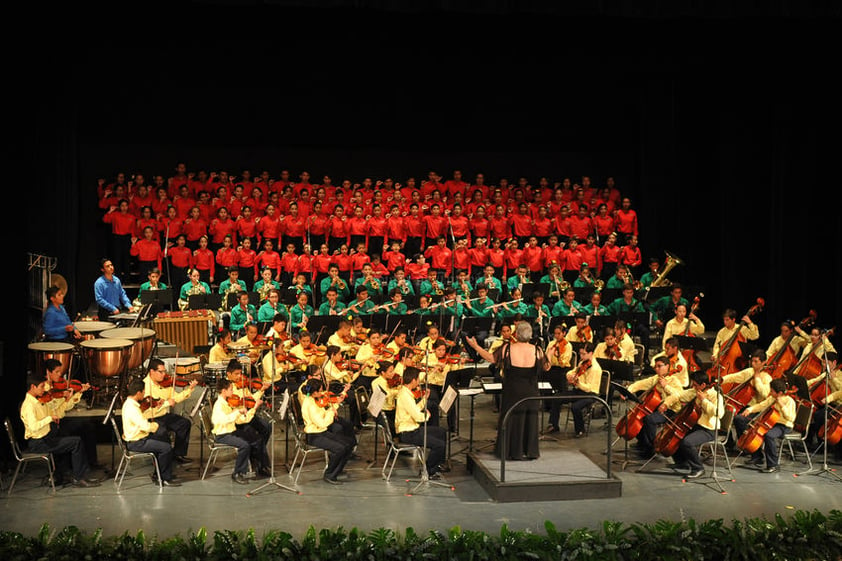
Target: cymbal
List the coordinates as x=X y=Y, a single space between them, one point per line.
x=59 y=281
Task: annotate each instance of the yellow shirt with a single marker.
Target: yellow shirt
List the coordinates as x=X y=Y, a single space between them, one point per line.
x=316 y=419
x=225 y=418
x=786 y=411
x=218 y=354
x=627 y=347
x=334 y=373
x=366 y=355
x=601 y=351
x=553 y=355
x=573 y=334
x=673 y=327
x=712 y=406
x=670 y=393
x=797 y=343
x=760 y=382
x=391 y=393
x=589 y=380
x=409 y=414
x=750 y=332
x=272 y=369
x=35 y=416
x=153 y=389
x=437 y=371
x=135 y=425
x=835 y=390
x=678 y=367
x=336 y=340
x=820 y=350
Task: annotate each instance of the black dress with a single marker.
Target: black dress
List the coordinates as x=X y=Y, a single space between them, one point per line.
x=522 y=431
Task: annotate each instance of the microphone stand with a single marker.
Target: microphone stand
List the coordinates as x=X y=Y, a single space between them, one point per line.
x=827 y=373
x=272 y=480
x=717 y=386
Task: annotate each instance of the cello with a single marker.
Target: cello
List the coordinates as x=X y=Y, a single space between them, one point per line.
x=630 y=425
x=785 y=358
x=730 y=352
x=690 y=354
x=752 y=438
x=670 y=436
x=810 y=365
x=833 y=427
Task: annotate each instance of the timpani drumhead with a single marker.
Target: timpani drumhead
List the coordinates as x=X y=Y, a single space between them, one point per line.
x=44 y=350
x=106 y=357
x=92 y=329
x=143 y=338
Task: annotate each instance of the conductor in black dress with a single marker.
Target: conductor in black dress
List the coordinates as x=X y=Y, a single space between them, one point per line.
x=520 y=364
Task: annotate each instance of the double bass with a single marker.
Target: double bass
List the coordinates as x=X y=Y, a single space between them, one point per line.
x=785 y=358
x=670 y=436
x=630 y=425
x=690 y=354
x=752 y=438
x=833 y=427
x=726 y=361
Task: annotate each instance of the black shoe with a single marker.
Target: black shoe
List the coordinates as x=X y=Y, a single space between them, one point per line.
x=434 y=476
x=551 y=430
x=754 y=462
x=174 y=482
x=264 y=471
x=84 y=482
x=355 y=457
x=332 y=480
x=183 y=460
x=680 y=466
x=695 y=474
x=770 y=469
x=239 y=478
x=443 y=469
x=579 y=434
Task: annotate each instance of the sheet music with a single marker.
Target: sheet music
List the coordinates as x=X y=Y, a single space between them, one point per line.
x=375 y=403
x=447 y=399
x=282 y=410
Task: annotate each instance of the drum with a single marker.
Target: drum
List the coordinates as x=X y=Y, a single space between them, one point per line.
x=92 y=329
x=186 y=366
x=213 y=372
x=62 y=352
x=238 y=348
x=106 y=357
x=124 y=318
x=143 y=340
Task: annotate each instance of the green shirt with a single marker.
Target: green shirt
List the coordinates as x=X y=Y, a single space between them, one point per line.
x=562 y=309
x=615 y=282
x=147 y=284
x=296 y=315
x=514 y=309
x=344 y=294
x=324 y=309
x=619 y=306
x=427 y=287
x=407 y=288
x=664 y=305
x=224 y=285
x=532 y=311
x=363 y=309
x=603 y=311
x=267 y=312
x=397 y=310
x=481 y=309
x=185 y=289
x=490 y=283
x=240 y=317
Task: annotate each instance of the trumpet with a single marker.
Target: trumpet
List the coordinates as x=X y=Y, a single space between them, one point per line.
x=598 y=284
x=263 y=291
x=375 y=284
x=341 y=284
x=437 y=287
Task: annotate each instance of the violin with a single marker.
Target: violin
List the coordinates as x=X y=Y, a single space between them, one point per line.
x=327 y=398
x=252 y=384
x=383 y=351
x=452 y=359
x=177 y=381
x=236 y=402
x=613 y=352
x=45 y=397
x=584 y=334
x=349 y=364
x=315 y=350
x=62 y=386
x=149 y=402
x=395 y=381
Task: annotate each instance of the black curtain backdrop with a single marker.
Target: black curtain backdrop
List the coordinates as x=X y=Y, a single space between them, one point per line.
x=721 y=127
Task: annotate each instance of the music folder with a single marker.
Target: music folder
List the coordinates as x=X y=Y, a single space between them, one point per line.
x=695 y=343
x=620 y=369
x=204 y=301
x=158 y=298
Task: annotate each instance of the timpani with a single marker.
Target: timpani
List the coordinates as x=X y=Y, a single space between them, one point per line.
x=44 y=350
x=92 y=329
x=143 y=340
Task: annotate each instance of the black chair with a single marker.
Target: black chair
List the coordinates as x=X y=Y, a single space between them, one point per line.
x=23 y=458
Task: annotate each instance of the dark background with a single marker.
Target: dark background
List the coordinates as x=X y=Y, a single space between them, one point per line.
x=719 y=119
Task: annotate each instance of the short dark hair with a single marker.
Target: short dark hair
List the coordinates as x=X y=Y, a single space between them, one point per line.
x=154 y=363
x=134 y=387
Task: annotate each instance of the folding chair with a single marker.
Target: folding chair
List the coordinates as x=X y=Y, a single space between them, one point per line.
x=721 y=438
x=24 y=458
x=127 y=456
x=395 y=448
x=302 y=447
x=803 y=417
x=214 y=447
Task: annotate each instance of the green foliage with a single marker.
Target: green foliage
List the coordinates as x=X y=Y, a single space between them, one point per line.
x=807 y=536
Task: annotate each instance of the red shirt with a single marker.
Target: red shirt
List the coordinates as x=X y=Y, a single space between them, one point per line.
x=175 y=227
x=512 y=258
x=269 y=227
x=435 y=226
x=142 y=223
x=269 y=259
x=630 y=256
x=562 y=226
x=206 y=211
x=522 y=225
x=356 y=226
x=573 y=259
x=159 y=207
x=318 y=227
x=183 y=206
x=604 y=225
x=480 y=228
x=553 y=253
x=246 y=228
x=500 y=227
x=304 y=264
x=451 y=187
x=609 y=253
x=417 y=271
x=534 y=258
x=147 y=250
x=393 y=259
x=590 y=255
x=343 y=261
x=204 y=260
x=227 y=257
x=496 y=257
x=338 y=228
x=377 y=227
x=294 y=226
x=321 y=262
x=218 y=229
x=195 y=229
x=439 y=257
x=479 y=256
x=289 y=262
x=415 y=226
x=396 y=228
x=137 y=203
x=247 y=258
x=358 y=260
x=580 y=227
x=121 y=223
x=460 y=226
x=258 y=207
x=462 y=258
x=181 y=256
x=543 y=227
x=627 y=222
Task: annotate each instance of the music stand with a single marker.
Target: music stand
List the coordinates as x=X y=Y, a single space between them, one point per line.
x=326 y=324
x=542 y=288
x=611 y=294
x=289 y=297
x=583 y=293
x=694 y=344
x=105 y=421
x=599 y=323
x=655 y=292
x=378 y=320
x=204 y=301
x=800 y=385
x=634 y=318
x=471 y=325
x=159 y=299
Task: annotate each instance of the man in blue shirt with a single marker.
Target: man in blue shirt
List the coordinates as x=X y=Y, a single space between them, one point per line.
x=109 y=294
x=56 y=323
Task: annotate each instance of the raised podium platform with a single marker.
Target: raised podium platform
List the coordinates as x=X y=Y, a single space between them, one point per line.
x=558 y=475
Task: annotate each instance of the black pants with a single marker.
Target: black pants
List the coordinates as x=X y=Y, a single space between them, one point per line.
x=647 y=434
x=162 y=449
x=84 y=429
x=688 y=449
x=436 y=442
x=339 y=444
x=61 y=447
x=170 y=422
x=577 y=408
x=250 y=446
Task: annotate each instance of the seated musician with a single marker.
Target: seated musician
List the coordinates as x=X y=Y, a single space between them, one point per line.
x=370 y=352
x=251 y=342
x=581 y=332
x=153 y=283
x=246 y=389
x=620 y=277
x=489 y=280
x=711 y=408
x=344 y=339
x=411 y=423
x=519 y=279
x=584 y=380
x=559 y=352
x=747 y=328
x=338 y=374
x=325 y=429
x=395 y=305
x=669 y=384
x=401 y=283
x=275 y=364
x=362 y=305
x=306 y=353
x=627 y=303
x=272 y=307
x=664 y=307
x=676 y=360
x=332 y=306
x=143 y=435
x=63 y=401
x=567 y=304
x=595 y=307
x=797 y=342
x=816 y=346
x=193 y=286
x=621 y=334
x=825 y=404
x=755 y=375
x=300 y=312
x=389 y=383
x=405 y=358
x=785 y=406
x=647 y=278
x=610 y=349
x=163 y=414
x=280 y=329
x=333 y=280
x=42 y=436
x=56 y=324
x=438 y=365
x=233 y=284
x=243 y=313
x=554 y=279
x=231 y=427
x=220 y=352
x=398 y=341
x=426 y=343
x=684 y=324
x=431 y=285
